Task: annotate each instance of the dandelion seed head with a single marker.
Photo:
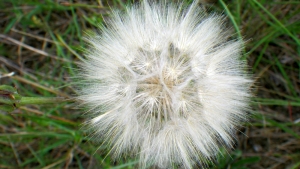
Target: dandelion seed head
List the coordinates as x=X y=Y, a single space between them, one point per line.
x=164 y=82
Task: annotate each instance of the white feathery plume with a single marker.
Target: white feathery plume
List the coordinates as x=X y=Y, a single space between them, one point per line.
x=164 y=82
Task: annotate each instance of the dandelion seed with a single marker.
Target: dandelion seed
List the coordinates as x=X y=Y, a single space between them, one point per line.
x=164 y=82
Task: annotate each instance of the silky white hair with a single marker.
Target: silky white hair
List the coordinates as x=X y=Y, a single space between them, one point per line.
x=164 y=82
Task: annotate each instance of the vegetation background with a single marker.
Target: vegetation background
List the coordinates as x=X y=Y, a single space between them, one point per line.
x=40 y=41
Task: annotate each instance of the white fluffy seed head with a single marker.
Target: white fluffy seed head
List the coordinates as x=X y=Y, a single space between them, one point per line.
x=164 y=82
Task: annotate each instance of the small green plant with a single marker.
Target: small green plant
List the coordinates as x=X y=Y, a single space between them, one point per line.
x=235 y=160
